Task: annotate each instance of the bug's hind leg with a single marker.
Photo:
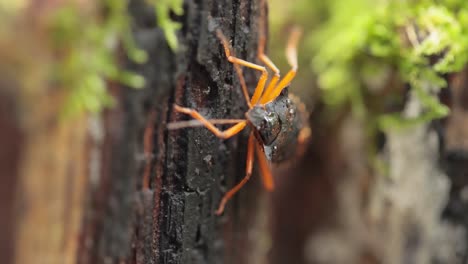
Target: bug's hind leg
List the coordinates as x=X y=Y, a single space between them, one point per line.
x=263 y=57
x=265 y=171
x=291 y=55
x=267 y=61
x=248 y=173
x=232 y=131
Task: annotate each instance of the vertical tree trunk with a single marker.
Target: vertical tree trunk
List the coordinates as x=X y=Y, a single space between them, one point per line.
x=186 y=170
x=192 y=167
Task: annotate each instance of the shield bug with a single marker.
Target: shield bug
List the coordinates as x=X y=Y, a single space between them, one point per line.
x=276 y=120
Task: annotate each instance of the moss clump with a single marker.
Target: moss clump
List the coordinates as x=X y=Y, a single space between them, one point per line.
x=163 y=9
x=86 y=46
x=418 y=41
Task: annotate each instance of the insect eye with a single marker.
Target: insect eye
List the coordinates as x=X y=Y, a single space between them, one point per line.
x=266 y=123
x=271 y=127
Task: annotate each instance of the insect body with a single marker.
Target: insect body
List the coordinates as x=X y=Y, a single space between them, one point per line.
x=275 y=122
x=278 y=125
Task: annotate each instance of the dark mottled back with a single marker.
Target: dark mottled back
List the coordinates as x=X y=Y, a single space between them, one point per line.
x=277 y=126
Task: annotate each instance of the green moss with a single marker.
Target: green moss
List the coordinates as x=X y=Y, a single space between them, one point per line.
x=86 y=55
x=163 y=9
x=367 y=39
x=86 y=47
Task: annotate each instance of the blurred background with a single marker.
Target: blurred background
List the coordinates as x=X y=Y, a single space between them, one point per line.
x=90 y=174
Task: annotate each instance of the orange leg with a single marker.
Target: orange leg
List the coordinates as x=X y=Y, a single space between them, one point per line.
x=248 y=173
x=228 y=52
x=291 y=55
x=264 y=58
x=281 y=85
x=235 y=129
x=261 y=53
x=273 y=80
x=261 y=28
x=267 y=178
x=236 y=61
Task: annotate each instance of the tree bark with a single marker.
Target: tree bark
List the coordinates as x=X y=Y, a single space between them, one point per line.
x=187 y=170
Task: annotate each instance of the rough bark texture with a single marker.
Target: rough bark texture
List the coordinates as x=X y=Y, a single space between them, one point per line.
x=173 y=220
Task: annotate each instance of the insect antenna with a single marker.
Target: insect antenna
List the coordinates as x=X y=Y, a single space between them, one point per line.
x=196 y=123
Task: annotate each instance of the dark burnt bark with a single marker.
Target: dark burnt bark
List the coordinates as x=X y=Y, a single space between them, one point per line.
x=188 y=170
